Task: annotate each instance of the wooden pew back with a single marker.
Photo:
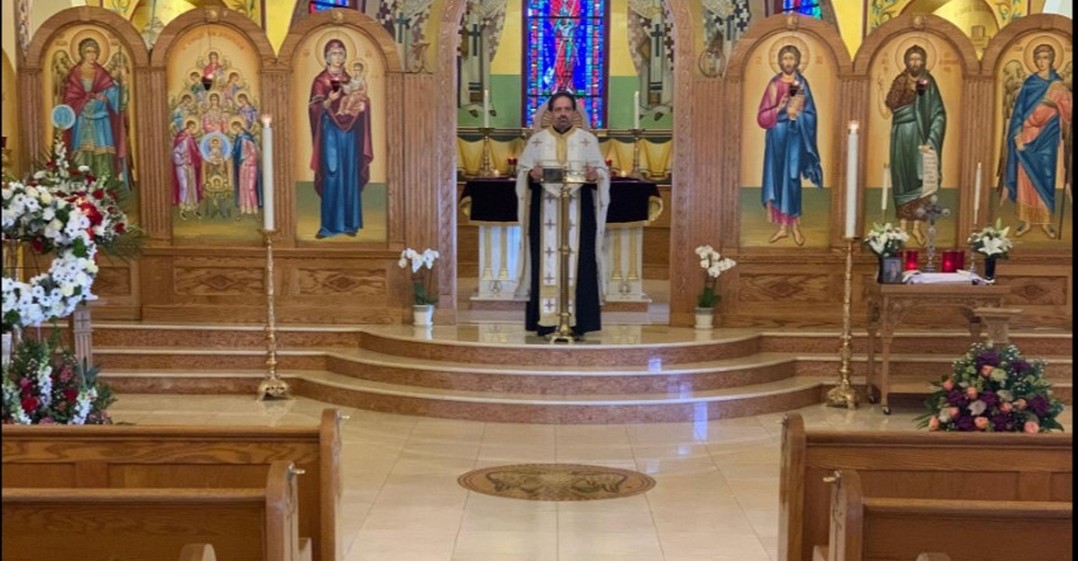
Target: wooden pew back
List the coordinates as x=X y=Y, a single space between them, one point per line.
x=246 y=524
x=867 y=528
x=168 y=456
x=980 y=466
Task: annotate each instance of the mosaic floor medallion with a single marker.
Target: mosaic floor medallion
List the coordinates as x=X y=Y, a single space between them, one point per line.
x=556 y=482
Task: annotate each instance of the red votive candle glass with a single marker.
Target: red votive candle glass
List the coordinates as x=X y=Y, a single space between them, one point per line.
x=948 y=264
x=911 y=260
x=959 y=259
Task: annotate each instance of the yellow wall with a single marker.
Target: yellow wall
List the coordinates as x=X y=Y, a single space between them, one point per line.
x=850 y=18
x=278 y=18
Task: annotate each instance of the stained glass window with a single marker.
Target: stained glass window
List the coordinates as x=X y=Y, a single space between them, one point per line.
x=565 y=48
x=319 y=5
x=809 y=8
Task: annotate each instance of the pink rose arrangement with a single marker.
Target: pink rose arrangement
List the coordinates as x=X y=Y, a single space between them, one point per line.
x=993 y=390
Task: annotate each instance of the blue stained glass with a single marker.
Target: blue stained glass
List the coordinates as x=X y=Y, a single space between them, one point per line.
x=320 y=5
x=809 y=8
x=565 y=44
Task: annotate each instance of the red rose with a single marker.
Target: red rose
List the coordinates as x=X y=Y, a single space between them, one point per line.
x=38 y=245
x=120 y=228
x=29 y=404
x=70 y=394
x=99 y=194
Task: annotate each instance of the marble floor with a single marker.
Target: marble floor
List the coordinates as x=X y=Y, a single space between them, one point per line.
x=716 y=497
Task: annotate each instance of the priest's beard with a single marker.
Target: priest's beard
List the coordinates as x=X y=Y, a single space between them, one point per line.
x=561 y=127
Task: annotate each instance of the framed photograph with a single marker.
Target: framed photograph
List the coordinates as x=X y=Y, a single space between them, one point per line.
x=892 y=270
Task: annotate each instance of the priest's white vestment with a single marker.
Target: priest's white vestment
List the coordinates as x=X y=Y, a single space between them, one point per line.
x=539 y=271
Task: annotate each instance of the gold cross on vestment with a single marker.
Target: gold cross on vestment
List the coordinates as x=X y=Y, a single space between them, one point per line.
x=586 y=142
x=537 y=142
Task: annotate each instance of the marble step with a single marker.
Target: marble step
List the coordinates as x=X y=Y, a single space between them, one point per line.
x=782 y=395
x=651 y=377
x=616 y=345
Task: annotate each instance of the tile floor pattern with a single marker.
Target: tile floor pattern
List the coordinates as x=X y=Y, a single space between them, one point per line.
x=716 y=497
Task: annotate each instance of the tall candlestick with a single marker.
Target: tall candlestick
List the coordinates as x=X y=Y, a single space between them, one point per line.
x=636 y=109
x=977 y=194
x=851 y=181
x=267 y=173
x=486 y=108
x=886 y=186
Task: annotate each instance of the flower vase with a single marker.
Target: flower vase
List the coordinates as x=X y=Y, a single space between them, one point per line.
x=423 y=314
x=990 y=269
x=705 y=318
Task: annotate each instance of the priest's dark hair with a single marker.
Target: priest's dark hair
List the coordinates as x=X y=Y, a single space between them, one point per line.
x=557 y=94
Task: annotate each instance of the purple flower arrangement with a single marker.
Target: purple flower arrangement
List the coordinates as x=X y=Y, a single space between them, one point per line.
x=993 y=390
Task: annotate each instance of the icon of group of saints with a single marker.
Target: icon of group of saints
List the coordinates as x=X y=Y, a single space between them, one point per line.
x=215 y=157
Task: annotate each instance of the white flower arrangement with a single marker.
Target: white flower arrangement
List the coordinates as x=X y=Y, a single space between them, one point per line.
x=32 y=213
x=63 y=209
x=714 y=264
x=422 y=265
x=992 y=241
x=886 y=240
x=95 y=196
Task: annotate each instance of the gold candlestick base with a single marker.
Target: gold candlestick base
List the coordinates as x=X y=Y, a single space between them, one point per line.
x=272 y=386
x=843 y=395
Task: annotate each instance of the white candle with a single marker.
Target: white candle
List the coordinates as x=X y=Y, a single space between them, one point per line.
x=977 y=194
x=886 y=186
x=486 y=108
x=636 y=110
x=851 y=181
x=267 y=173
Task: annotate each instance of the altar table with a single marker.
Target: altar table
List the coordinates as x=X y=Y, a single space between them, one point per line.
x=491 y=204
x=888 y=303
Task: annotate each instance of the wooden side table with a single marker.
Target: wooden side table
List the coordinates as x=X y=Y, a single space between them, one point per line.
x=888 y=303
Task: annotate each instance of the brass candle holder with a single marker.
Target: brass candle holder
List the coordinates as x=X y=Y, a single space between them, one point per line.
x=637 y=171
x=272 y=386
x=487 y=167
x=843 y=395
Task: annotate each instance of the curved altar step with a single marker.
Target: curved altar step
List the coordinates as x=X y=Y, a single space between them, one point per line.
x=499 y=373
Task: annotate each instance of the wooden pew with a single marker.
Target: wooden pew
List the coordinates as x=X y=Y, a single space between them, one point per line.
x=242 y=524
x=916 y=465
x=865 y=528
x=166 y=456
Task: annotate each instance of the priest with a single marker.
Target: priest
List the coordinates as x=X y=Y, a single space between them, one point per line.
x=572 y=149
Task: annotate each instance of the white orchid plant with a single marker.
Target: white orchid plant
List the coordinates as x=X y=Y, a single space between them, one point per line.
x=422 y=266
x=992 y=241
x=886 y=240
x=714 y=264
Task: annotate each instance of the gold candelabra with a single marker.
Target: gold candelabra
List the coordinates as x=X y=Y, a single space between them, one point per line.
x=843 y=395
x=637 y=171
x=272 y=386
x=487 y=169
